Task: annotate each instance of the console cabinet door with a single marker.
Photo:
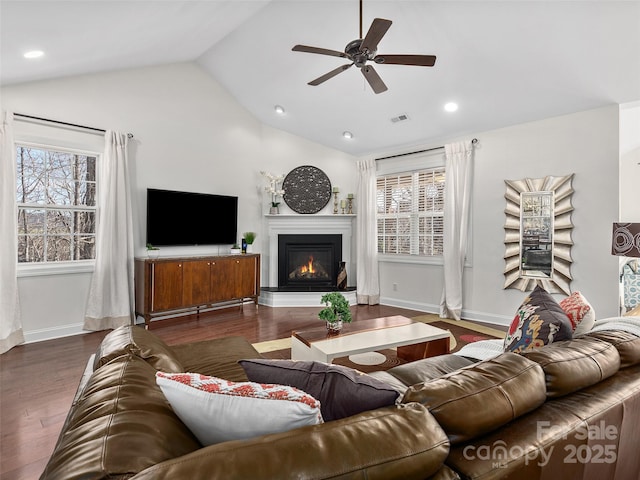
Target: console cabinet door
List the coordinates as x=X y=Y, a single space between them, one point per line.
x=223 y=279
x=166 y=285
x=196 y=282
x=246 y=275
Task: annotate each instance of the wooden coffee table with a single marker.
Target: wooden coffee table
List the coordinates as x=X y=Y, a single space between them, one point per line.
x=414 y=340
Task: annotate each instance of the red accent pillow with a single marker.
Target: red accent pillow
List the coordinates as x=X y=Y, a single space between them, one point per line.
x=580 y=313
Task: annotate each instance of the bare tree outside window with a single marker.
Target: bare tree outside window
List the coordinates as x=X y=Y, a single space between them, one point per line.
x=410 y=208
x=56 y=196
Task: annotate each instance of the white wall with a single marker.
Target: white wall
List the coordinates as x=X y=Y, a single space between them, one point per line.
x=630 y=162
x=585 y=144
x=190 y=134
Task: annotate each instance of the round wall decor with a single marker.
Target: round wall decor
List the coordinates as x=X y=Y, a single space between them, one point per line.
x=307 y=189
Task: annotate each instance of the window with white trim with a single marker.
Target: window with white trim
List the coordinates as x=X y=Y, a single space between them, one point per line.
x=56 y=195
x=410 y=208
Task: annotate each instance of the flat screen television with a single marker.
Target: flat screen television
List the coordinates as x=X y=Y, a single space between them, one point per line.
x=185 y=218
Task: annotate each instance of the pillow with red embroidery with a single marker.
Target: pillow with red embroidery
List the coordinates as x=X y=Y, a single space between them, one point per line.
x=218 y=410
x=580 y=313
x=538 y=321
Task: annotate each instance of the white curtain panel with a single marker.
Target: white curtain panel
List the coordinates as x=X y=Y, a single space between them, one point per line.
x=110 y=302
x=368 y=289
x=10 y=325
x=457 y=198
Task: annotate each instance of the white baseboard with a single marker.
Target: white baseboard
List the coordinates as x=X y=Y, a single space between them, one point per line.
x=42 y=334
x=489 y=318
x=420 y=307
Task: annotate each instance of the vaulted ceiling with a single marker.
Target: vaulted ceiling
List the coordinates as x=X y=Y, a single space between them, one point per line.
x=503 y=62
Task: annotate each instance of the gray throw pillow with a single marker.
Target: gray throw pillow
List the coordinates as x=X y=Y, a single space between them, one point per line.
x=342 y=391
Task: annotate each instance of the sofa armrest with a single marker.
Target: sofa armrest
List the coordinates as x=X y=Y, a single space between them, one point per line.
x=399 y=442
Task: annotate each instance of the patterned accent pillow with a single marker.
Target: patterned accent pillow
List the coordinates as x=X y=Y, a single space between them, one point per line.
x=580 y=313
x=539 y=321
x=218 y=410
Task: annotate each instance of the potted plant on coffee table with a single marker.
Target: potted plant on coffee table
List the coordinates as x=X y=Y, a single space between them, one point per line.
x=336 y=311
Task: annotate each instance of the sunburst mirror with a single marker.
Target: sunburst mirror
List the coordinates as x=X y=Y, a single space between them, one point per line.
x=538 y=234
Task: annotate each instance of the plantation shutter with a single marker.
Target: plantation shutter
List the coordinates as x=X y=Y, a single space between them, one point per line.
x=410 y=207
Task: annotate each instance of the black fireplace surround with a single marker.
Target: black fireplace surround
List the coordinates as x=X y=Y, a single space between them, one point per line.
x=308 y=262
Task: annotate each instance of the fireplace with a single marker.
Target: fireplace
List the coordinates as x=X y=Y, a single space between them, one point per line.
x=308 y=262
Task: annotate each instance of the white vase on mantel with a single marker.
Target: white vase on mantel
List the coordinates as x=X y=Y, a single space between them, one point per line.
x=274 y=211
x=249 y=247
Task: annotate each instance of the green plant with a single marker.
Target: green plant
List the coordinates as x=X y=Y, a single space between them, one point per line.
x=249 y=237
x=151 y=247
x=236 y=246
x=337 y=308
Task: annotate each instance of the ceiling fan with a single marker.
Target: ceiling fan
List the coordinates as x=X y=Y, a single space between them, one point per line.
x=362 y=50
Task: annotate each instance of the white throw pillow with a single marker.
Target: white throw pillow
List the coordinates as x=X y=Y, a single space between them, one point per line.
x=217 y=410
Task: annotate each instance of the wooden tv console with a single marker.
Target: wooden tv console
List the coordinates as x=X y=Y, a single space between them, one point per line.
x=181 y=285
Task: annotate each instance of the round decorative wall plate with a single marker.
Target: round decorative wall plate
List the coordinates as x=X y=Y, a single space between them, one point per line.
x=307 y=189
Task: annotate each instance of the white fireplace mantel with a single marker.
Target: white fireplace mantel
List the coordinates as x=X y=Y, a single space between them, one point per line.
x=308 y=224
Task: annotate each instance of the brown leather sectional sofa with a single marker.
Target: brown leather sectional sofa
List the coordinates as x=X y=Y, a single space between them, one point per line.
x=570 y=410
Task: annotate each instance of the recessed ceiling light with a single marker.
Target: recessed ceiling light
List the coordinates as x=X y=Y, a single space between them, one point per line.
x=34 y=54
x=347 y=134
x=279 y=109
x=451 y=107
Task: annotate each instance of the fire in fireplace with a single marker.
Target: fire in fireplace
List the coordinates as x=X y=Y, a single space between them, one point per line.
x=308 y=262
x=309 y=270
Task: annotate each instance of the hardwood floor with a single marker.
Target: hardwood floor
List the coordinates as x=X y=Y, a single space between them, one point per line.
x=38 y=381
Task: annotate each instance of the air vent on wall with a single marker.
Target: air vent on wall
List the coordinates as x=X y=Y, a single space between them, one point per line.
x=399 y=118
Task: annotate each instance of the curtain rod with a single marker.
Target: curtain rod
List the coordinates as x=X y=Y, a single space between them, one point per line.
x=31 y=117
x=473 y=142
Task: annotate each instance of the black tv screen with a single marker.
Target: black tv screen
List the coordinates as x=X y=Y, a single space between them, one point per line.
x=185 y=218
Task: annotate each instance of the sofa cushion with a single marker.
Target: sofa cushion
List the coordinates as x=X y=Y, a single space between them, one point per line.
x=483 y=396
x=120 y=425
x=575 y=364
x=140 y=342
x=393 y=443
x=342 y=391
x=217 y=358
x=627 y=344
x=428 y=368
x=580 y=313
x=218 y=410
x=538 y=321
x=591 y=434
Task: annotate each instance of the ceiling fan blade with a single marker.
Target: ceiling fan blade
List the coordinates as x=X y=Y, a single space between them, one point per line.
x=321 y=51
x=376 y=31
x=374 y=79
x=419 y=60
x=329 y=75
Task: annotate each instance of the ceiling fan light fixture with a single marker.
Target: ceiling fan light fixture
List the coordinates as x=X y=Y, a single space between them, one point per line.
x=347 y=134
x=279 y=109
x=451 y=107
